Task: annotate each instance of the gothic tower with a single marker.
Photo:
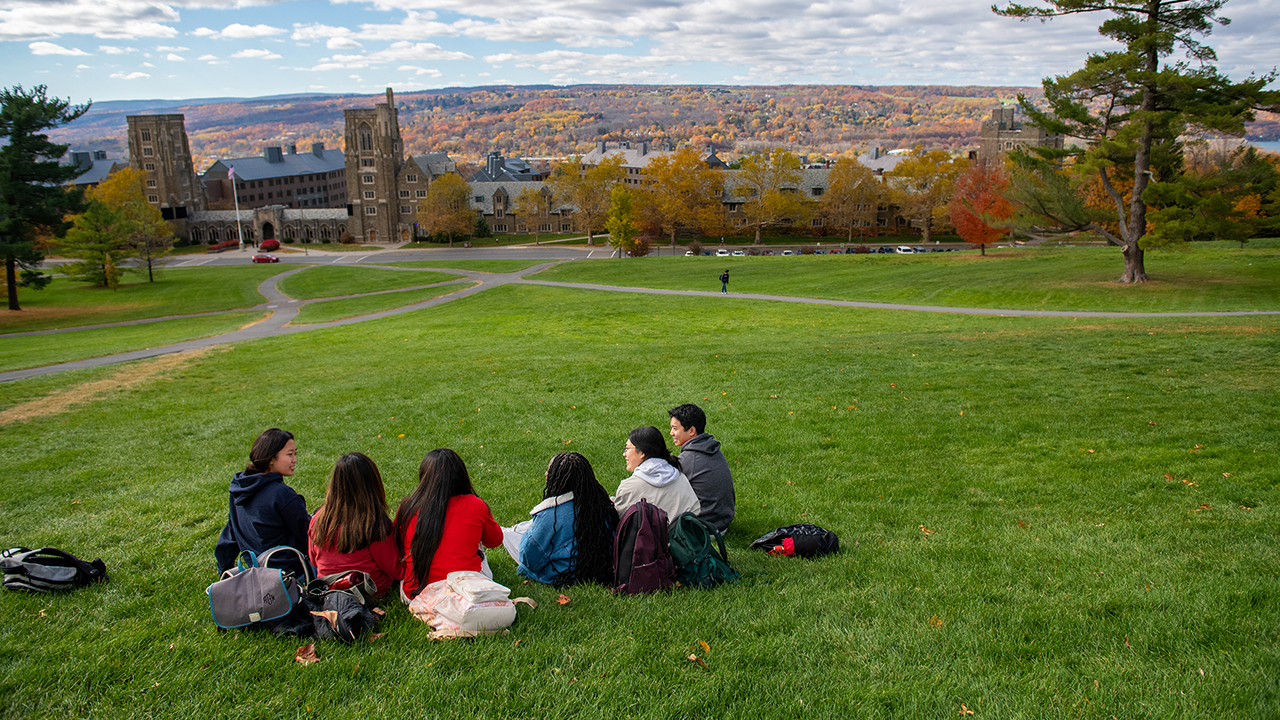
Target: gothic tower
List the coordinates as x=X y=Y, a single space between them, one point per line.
x=374 y=154
x=158 y=145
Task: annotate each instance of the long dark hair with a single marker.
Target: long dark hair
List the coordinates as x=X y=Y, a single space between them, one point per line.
x=354 y=514
x=594 y=519
x=441 y=476
x=264 y=450
x=650 y=442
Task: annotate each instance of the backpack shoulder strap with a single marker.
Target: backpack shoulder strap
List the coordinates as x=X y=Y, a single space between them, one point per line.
x=265 y=557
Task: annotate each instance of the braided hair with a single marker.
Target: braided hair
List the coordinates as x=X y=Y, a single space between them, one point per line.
x=594 y=519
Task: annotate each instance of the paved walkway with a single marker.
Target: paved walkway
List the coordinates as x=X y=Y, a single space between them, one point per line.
x=285 y=309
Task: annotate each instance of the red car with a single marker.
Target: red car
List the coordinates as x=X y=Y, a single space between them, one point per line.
x=265 y=258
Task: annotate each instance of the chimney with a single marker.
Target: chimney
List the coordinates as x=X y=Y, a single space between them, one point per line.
x=99 y=154
x=1006 y=118
x=82 y=159
x=317 y=149
x=625 y=144
x=293 y=149
x=644 y=148
x=391 y=98
x=273 y=154
x=875 y=153
x=600 y=146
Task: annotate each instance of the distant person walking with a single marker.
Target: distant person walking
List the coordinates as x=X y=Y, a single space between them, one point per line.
x=724 y=283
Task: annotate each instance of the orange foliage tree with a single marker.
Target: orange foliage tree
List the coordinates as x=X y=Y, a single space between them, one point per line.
x=978 y=201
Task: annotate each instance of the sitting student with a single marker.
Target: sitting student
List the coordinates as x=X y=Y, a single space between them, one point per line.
x=351 y=530
x=654 y=477
x=440 y=526
x=264 y=512
x=702 y=462
x=570 y=538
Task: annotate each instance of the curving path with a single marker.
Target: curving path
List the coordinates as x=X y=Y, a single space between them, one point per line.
x=285 y=309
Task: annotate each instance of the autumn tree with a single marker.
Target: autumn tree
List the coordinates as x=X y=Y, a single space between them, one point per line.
x=854 y=192
x=1213 y=203
x=530 y=205
x=587 y=190
x=680 y=190
x=99 y=240
x=33 y=200
x=922 y=185
x=770 y=181
x=978 y=202
x=621 y=223
x=1131 y=106
x=145 y=232
x=447 y=210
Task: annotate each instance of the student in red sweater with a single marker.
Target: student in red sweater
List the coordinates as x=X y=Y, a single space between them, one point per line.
x=351 y=531
x=442 y=524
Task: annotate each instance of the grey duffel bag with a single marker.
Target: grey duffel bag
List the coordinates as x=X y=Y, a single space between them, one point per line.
x=253 y=593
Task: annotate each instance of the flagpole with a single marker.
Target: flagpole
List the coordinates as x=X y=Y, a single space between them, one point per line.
x=231 y=173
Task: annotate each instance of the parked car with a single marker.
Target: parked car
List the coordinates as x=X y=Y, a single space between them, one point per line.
x=906 y=250
x=265 y=258
x=885 y=250
x=819 y=252
x=689 y=253
x=722 y=253
x=787 y=252
x=739 y=253
x=767 y=252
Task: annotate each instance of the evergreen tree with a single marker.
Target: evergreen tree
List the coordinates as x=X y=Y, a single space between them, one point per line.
x=33 y=200
x=99 y=239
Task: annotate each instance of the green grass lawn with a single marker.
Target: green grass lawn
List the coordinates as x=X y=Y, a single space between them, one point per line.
x=1063 y=574
x=336 y=280
x=1201 y=277
x=322 y=312
x=497 y=265
x=28 y=351
x=177 y=291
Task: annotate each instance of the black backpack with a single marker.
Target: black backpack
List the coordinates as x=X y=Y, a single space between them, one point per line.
x=803 y=540
x=699 y=553
x=48 y=569
x=342 y=606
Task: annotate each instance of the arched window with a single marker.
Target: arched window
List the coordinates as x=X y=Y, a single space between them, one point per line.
x=213 y=234
x=342 y=230
x=366 y=137
x=306 y=232
x=288 y=232
x=195 y=235
x=324 y=232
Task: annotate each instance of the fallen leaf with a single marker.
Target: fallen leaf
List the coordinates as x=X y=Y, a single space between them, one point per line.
x=330 y=615
x=357 y=669
x=1095 y=683
x=1022 y=525
x=1168 y=477
x=1152 y=423
x=893 y=385
x=1189 y=483
x=1201 y=672
x=705 y=647
x=563 y=599
x=1245 y=507
x=1203 y=506
x=401 y=435
x=925 y=530
x=1126 y=641
x=964 y=710
x=935 y=622
x=700 y=661
x=75 y=502
x=1226 y=474
x=379 y=611
x=41 y=613
x=773 y=397
x=375 y=636
x=1089 y=450
x=170 y=646
x=306 y=654
x=515 y=644
x=1197 y=448
x=566 y=442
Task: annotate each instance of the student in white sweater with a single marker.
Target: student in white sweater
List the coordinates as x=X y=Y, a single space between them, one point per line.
x=654 y=477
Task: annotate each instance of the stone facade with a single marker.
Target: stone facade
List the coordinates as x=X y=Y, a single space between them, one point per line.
x=158 y=145
x=1004 y=132
x=273 y=222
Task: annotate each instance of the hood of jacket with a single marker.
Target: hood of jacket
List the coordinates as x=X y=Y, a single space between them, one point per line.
x=244 y=487
x=657 y=472
x=704 y=443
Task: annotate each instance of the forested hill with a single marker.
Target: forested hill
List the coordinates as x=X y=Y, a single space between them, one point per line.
x=545 y=121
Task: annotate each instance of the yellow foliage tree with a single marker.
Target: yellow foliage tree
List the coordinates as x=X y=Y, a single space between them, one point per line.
x=681 y=191
x=771 y=183
x=447 y=210
x=143 y=230
x=853 y=194
x=587 y=190
x=922 y=186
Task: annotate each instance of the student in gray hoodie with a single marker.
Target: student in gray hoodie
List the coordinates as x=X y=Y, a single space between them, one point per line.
x=702 y=462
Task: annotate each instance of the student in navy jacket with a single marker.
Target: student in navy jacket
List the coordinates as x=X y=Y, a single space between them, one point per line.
x=263 y=511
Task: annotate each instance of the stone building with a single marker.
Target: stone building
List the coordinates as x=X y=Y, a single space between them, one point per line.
x=1004 y=132
x=315 y=179
x=158 y=145
x=272 y=222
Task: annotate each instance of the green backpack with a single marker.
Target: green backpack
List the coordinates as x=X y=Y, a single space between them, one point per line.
x=698 y=564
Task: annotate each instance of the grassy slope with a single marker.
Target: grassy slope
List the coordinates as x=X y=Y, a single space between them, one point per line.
x=336 y=280
x=37 y=350
x=1199 y=278
x=178 y=291
x=497 y=265
x=322 y=312
x=1057 y=582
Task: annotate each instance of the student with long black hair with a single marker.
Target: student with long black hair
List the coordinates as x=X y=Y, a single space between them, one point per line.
x=351 y=530
x=570 y=537
x=655 y=476
x=441 y=525
x=264 y=512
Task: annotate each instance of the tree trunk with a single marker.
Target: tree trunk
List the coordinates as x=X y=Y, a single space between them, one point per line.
x=591 y=240
x=925 y=235
x=10 y=277
x=1134 y=272
x=983 y=248
x=758 y=240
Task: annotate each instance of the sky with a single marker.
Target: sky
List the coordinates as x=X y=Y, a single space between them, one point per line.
x=180 y=49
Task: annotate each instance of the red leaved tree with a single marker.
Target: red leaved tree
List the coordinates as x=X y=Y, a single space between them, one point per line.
x=979 y=201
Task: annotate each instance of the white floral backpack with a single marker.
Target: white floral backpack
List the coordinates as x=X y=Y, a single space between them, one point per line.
x=466 y=604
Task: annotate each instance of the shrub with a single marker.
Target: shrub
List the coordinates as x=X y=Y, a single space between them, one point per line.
x=289 y=241
x=695 y=247
x=345 y=238
x=482 y=228
x=269 y=245
x=324 y=241
x=224 y=245
x=641 y=246
x=807 y=249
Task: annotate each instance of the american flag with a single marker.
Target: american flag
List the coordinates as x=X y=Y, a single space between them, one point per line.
x=231 y=172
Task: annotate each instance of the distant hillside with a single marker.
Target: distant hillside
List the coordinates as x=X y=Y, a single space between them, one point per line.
x=546 y=121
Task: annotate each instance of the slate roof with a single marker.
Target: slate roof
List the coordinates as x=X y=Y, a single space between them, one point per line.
x=291 y=165
x=435 y=164
x=486 y=190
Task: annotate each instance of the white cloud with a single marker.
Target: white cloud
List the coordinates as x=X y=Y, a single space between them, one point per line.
x=256 y=55
x=175 y=58
x=395 y=52
x=83 y=67
x=37 y=19
x=238 y=31
x=420 y=70
x=48 y=48
x=147 y=65
x=130 y=76
x=207 y=57
x=342 y=43
x=167 y=48
x=114 y=50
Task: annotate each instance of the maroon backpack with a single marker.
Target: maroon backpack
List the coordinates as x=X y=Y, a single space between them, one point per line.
x=641 y=552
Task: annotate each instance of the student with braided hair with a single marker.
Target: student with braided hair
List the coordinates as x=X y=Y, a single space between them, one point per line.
x=570 y=537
